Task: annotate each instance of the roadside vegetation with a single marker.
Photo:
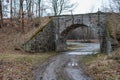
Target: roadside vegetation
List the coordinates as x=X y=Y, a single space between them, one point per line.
x=107 y=66
x=21 y=66
x=103 y=67
x=15 y=63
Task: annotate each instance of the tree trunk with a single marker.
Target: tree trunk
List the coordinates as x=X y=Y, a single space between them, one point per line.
x=36 y=10
x=22 y=15
x=14 y=8
x=28 y=7
x=39 y=2
x=11 y=11
x=1 y=15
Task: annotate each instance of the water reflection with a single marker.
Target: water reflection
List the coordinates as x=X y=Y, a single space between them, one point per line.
x=85 y=48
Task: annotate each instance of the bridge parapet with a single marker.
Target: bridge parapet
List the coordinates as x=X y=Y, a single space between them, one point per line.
x=90 y=20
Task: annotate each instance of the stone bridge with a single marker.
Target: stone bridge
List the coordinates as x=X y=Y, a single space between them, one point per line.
x=52 y=36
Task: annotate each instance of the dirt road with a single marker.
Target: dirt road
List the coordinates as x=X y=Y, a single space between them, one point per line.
x=65 y=66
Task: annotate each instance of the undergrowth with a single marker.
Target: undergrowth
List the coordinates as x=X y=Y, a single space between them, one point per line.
x=100 y=67
x=20 y=66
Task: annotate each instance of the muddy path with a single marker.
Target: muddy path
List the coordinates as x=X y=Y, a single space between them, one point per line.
x=65 y=66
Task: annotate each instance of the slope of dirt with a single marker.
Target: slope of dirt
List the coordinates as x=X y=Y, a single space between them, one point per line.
x=16 y=64
x=11 y=38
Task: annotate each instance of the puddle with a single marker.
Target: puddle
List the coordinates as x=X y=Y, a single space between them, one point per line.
x=72 y=69
x=70 y=61
x=81 y=53
x=88 y=48
x=76 y=74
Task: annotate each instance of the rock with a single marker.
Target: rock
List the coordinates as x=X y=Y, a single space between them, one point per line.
x=118 y=36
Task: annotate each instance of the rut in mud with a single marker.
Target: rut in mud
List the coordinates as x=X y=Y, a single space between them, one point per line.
x=65 y=66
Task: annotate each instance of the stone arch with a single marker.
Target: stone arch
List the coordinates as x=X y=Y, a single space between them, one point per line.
x=61 y=43
x=71 y=28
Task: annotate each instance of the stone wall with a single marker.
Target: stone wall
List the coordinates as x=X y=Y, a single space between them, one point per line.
x=114 y=29
x=118 y=36
x=43 y=40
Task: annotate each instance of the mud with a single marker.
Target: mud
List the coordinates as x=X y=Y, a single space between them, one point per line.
x=65 y=66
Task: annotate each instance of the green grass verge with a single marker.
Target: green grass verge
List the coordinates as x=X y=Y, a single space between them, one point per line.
x=92 y=57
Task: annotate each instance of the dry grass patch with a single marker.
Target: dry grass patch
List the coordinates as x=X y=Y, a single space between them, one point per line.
x=99 y=67
x=14 y=63
x=20 y=66
x=73 y=47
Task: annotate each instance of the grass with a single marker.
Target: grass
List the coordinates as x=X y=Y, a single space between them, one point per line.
x=99 y=67
x=20 y=66
x=73 y=46
x=91 y=57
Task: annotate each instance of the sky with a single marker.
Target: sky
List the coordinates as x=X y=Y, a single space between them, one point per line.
x=87 y=6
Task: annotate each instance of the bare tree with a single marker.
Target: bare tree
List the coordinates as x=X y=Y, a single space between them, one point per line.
x=28 y=4
x=14 y=1
x=114 y=6
x=116 y=3
x=1 y=15
x=59 y=6
x=11 y=12
x=39 y=4
x=22 y=15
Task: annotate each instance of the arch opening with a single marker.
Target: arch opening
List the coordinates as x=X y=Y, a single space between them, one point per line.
x=71 y=28
x=78 y=33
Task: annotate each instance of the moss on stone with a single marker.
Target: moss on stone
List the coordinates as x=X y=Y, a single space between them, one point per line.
x=109 y=29
x=40 y=29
